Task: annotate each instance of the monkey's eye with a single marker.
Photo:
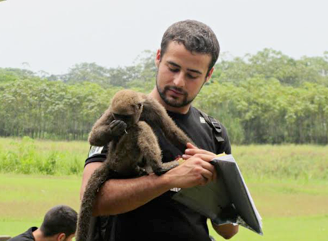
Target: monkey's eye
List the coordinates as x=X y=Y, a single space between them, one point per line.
x=139 y=105
x=122 y=117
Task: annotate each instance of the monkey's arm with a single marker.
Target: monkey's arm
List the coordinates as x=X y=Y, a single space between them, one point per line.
x=155 y=114
x=105 y=129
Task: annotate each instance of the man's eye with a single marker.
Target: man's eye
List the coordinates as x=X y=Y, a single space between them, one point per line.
x=191 y=76
x=174 y=70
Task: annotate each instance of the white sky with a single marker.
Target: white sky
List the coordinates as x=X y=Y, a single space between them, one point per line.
x=53 y=35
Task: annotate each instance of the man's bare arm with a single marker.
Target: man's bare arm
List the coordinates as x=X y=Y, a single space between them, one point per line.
x=123 y=195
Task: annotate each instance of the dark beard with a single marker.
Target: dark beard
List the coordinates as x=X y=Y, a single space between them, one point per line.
x=171 y=103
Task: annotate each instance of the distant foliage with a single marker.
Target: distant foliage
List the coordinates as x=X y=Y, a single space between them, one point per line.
x=268 y=64
x=266 y=111
x=263 y=98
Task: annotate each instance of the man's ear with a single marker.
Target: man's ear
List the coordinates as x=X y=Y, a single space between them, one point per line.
x=158 y=58
x=209 y=75
x=61 y=237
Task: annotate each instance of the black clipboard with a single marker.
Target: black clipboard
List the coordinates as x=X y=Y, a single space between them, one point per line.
x=226 y=200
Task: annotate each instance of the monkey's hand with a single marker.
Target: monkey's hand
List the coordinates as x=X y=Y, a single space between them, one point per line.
x=117 y=128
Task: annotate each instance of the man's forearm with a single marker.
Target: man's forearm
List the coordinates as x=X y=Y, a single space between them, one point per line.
x=123 y=195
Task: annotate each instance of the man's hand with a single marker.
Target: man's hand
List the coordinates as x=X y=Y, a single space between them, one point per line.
x=195 y=171
x=193 y=150
x=226 y=231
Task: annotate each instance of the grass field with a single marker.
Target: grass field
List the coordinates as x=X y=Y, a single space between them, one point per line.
x=289 y=185
x=290 y=210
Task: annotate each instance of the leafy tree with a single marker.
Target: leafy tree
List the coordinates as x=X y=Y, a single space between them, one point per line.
x=263 y=98
x=87 y=72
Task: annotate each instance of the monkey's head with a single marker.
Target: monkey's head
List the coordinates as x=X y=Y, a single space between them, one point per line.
x=127 y=106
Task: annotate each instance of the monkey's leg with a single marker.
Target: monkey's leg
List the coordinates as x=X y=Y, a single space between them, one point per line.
x=96 y=180
x=166 y=167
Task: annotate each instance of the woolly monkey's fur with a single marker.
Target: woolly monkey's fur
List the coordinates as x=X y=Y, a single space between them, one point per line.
x=133 y=148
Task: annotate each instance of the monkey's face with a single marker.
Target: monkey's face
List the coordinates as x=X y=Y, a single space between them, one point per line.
x=130 y=114
x=127 y=106
x=127 y=119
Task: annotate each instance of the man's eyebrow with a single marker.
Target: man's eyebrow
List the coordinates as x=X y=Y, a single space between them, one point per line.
x=174 y=64
x=178 y=66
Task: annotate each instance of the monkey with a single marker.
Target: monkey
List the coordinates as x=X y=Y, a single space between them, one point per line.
x=133 y=149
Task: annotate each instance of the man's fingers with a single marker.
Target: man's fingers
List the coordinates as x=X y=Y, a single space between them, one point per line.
x=205 y=160
x=186 y=157
x=205 y=156
x=194 y=151
x=207 y=169
x=207 y=176
x=191 y=146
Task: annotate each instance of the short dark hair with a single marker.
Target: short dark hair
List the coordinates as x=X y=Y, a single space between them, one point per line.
x=195 y=36
x=59 y=219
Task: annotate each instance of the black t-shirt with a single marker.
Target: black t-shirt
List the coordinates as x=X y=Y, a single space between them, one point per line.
x=163 y=218
x=27 y=236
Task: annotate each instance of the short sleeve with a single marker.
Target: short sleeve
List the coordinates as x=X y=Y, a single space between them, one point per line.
x=96 y=154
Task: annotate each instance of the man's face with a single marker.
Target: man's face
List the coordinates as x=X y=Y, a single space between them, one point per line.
x=181 y=74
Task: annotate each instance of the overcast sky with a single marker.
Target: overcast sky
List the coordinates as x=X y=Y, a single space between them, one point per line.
x=53 y=35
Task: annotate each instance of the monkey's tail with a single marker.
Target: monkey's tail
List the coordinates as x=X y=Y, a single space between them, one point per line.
x=95 y=182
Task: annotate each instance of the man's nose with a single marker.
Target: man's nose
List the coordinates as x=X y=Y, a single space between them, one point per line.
x=179 y=80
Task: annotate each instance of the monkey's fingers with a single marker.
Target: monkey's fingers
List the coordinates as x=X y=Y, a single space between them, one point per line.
x=115 y=123
x=119 y=127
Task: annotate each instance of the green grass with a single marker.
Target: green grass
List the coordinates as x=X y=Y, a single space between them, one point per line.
x=24 y=199
x=301 y=162
x=305 y=162
x=28 y=156
x=288 y=184
x=291 y=209
x=286 y=229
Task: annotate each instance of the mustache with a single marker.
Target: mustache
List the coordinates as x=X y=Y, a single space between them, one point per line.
x=179 y=90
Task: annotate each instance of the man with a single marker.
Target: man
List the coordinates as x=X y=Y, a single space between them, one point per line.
x=59 y=224
x=142 y=206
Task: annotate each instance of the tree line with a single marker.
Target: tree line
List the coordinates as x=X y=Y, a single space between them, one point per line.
x=267 y=97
